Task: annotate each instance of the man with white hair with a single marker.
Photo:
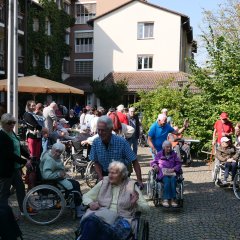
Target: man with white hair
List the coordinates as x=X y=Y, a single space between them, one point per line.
x=134 y=122
x=169 y=119
x=159 y=131
x=109 y=147
x=50 y=116
x=122 y=117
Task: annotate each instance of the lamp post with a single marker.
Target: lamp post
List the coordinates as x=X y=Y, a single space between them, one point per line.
x=12 y=66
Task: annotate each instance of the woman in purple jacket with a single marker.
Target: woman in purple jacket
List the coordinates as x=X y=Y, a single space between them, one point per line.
x=168 y=166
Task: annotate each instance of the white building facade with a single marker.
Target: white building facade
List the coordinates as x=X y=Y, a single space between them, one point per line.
x=139 y=36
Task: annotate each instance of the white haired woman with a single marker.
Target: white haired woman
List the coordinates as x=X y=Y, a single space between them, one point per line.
x=113 y=200
x=52 y=168
x=11 y=161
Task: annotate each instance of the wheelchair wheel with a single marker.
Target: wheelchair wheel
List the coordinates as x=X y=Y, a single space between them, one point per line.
x=143 y=229
x=43 y=204
x=236 y=185
x=180 y=194
x=91 y=175
x=150 y=182
x=215 y=171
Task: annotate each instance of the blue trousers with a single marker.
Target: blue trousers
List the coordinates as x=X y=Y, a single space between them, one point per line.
x=230 y=166
x=169 y=187
x=93 y=228
x=133 y=141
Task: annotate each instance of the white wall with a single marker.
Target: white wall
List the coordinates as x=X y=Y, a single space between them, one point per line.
x=116 y=46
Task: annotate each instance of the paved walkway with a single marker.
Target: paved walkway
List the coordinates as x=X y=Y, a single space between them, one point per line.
x=208 y=213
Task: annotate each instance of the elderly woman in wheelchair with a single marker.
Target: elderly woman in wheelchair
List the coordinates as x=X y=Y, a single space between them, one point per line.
x=167 y=168
x=112 y=204
x=226 y=159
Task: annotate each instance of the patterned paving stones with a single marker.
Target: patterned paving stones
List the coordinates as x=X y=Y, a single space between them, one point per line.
x=209 y=212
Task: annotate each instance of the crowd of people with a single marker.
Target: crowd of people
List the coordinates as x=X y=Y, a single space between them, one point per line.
x=113 y=135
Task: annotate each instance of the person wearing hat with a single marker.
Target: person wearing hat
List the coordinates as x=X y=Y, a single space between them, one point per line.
x=227 y=154
x=222 y=128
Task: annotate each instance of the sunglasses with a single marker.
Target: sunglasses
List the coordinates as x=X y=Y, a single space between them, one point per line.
x=11 y=122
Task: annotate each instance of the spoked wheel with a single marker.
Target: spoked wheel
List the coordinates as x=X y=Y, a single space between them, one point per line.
x=180 y=195
x=156 y=196
x=91 y=175
x=150 y=185
x=80 y=167
x=43 y=204
x=143 y=229
x=236 y=186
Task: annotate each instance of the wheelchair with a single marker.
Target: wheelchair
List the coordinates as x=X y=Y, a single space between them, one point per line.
x=218 y=174
x=155 y=189
x=140 y=232
x=45 y=203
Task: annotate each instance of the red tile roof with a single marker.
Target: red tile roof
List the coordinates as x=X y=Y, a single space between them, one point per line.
x=149 y=80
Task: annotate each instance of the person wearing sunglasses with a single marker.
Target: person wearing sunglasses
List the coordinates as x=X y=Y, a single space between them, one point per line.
x=11 y=161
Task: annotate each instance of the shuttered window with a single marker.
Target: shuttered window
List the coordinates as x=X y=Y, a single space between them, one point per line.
x=84 y=42
x=84 y=68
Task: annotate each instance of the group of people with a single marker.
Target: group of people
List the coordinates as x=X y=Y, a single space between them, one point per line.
x=227 y=152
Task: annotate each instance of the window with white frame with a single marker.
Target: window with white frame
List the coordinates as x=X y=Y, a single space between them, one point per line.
x=35 y=24
x=47 y=27
x=35 y=59
x=84 y=12
x=145 y=62
x=66 y=8
x=145 y=30
x=83 y=67
x=58 y=2
x=83 y=42
x=47 y=61
x=67 y=38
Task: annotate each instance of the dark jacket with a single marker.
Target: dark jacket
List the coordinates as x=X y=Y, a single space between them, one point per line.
x=8 y=157
x=223 y=154
x=32 y=124
x=136 y=127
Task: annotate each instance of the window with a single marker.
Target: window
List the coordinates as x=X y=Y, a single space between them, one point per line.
x=47 y=62
x=66 y=66
x=66 y=8
x=85 y=12
x=47 y=27
x=35 y=59
x=145 y=30
x=58 y=2
x=67 y=38
x=35 y=25
x=145 y=62
x=84 y=42
x=83 y=67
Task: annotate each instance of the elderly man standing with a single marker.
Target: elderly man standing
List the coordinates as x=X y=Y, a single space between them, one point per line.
x=222 y=128
x=109 y=147
x=50 y=116
x=134 y=122
x=159 y=131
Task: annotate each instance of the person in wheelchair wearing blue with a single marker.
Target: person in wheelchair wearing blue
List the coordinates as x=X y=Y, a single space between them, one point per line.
x=52 y=168
x=227 y=155
x=112 y=204
x=168 y=167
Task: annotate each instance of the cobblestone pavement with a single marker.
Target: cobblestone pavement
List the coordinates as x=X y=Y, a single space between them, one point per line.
x=208 y=212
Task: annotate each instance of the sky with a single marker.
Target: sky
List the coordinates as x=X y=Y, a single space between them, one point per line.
x=193 y=9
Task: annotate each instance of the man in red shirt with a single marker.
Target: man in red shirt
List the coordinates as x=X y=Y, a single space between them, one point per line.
x=222 y=128
x=122 y=117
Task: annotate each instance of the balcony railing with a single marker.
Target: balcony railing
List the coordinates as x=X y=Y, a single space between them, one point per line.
x=84 y=48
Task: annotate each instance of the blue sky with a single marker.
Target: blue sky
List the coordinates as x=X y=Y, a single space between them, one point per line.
x=193 y=9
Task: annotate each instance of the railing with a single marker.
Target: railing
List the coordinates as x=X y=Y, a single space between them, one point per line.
x=84 y=48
